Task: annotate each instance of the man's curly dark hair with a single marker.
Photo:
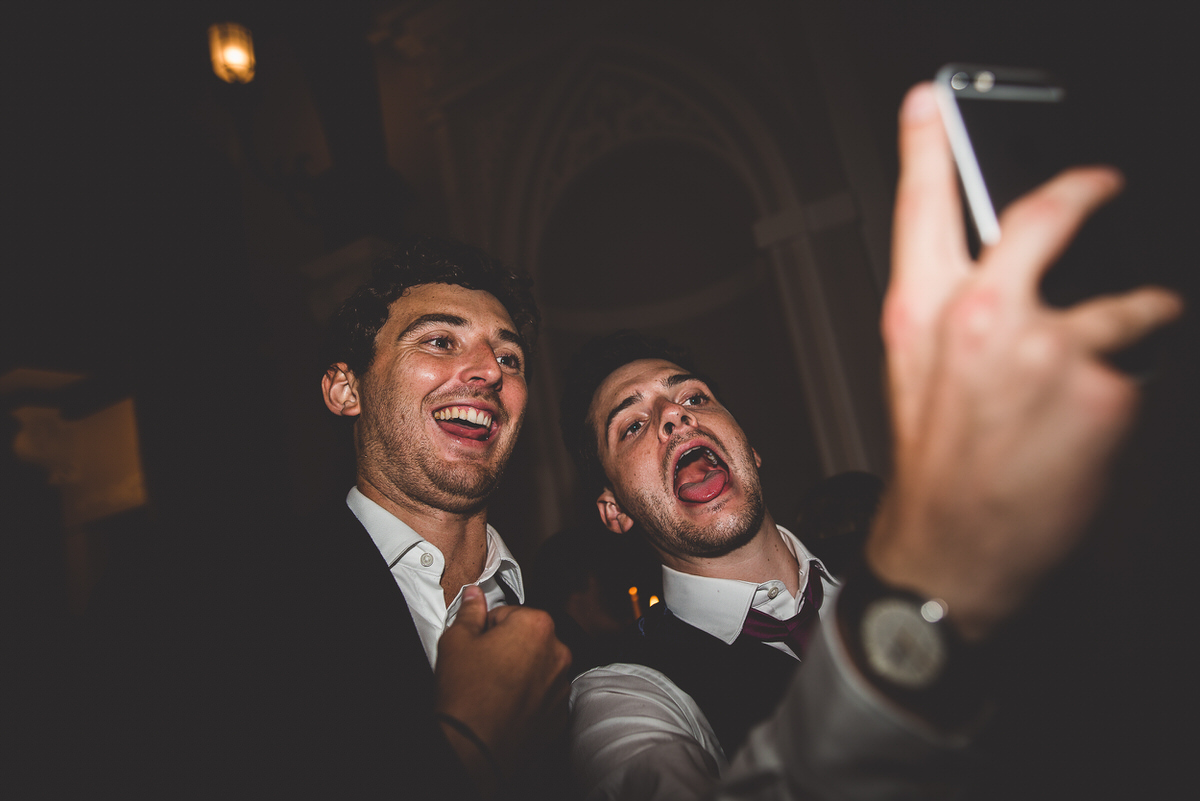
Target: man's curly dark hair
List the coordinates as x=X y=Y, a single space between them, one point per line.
x=417 y=261
x=593 y=363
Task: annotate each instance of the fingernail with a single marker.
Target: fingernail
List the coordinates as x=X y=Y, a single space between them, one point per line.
x=920 y=104
x=471 y=593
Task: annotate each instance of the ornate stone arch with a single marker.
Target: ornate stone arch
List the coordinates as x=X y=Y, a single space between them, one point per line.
x=613 y=95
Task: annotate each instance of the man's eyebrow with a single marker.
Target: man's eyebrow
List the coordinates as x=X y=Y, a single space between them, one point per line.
x=620 y=407
x=673 y=380
x=513 y=338
x=680 y=378
x=441 y=318
x=433 y=319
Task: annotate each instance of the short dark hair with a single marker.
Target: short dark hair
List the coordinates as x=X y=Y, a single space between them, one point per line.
x=417 y=261
x=593 y=363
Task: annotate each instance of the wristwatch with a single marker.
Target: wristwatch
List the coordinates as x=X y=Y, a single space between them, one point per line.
x=905 y=647
x=905 y=639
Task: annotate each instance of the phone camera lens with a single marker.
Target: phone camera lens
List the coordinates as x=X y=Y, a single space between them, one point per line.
x=959 y=80
x=984 y=81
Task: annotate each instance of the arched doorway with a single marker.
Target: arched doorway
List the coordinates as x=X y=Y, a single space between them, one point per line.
x=657 y=235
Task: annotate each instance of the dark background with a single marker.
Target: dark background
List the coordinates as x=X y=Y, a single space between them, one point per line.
x=149 y=251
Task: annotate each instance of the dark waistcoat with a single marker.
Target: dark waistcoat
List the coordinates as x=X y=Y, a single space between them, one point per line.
x=736 y=686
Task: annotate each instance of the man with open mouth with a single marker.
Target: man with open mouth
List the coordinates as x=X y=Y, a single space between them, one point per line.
x=652 y=438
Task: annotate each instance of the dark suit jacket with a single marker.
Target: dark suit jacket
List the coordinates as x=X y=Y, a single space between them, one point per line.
x=341 y=695
x=257 y=658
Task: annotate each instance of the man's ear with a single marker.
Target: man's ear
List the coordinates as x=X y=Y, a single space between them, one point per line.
x=757 y=458
x=614 y=517
x=340 y=387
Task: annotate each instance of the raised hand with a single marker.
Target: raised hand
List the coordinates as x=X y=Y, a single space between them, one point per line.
x=1005 y=414
x=506 y=676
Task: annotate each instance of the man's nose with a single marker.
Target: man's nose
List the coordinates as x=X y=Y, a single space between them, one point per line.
x=480 y=366
x=674 y=416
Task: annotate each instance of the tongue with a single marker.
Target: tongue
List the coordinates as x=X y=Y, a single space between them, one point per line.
x=464 y=430
x=705 y=489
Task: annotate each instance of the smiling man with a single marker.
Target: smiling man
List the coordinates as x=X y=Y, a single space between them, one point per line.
x=439 y=407
x=397 y=678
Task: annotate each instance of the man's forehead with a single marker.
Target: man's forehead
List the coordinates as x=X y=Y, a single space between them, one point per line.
x=637 y=372
x=625 y=381
x=473 y=306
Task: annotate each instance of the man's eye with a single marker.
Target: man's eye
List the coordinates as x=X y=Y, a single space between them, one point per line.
x=442 y=343
x=632 y=429
x=509 y=360
x=696 y=400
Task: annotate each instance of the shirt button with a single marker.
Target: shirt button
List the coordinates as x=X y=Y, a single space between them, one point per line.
x=771 y=593
x=426 y=559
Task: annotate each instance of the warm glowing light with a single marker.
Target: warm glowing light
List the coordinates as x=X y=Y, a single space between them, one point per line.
x=653 y=600
x=236 y=56
x=633 y=601
x=232 y=52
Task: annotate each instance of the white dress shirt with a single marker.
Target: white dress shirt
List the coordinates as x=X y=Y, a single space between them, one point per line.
x=719 y=606
x=634 y=733
x=417 y=566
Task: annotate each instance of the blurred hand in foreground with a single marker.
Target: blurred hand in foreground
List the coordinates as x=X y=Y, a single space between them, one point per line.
x=1005 y=414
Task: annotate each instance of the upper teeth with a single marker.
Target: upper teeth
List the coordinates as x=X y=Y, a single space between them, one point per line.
x=708 y=455
x=468 y=413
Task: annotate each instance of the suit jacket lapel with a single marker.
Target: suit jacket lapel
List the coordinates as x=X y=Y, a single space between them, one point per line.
x=370 y=591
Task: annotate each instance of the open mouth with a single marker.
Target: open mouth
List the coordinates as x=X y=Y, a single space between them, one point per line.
x=700 y=475
x=466 y=422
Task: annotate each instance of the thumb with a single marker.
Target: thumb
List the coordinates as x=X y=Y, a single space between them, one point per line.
x=472 y=614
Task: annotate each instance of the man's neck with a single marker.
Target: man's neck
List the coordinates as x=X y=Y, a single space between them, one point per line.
x=766 y=557
x=461 y=537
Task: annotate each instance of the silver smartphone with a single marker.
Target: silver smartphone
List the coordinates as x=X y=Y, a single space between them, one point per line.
x=1009 y=131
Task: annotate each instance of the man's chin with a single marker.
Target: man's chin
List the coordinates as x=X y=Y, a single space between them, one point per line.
x=465 y=489
x=717 y=530
x=723 y=543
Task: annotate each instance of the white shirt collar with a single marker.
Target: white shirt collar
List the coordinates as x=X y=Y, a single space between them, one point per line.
x=719 y=606
x=417 y=566
x=394 y=538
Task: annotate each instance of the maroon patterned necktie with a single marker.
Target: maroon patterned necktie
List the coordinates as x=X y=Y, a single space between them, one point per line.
x=795 y=631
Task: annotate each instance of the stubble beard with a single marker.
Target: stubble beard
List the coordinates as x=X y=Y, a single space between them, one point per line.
x=725 y=534
x=411 y=466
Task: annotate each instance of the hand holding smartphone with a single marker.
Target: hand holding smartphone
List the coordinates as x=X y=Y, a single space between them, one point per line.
x=1011 y=130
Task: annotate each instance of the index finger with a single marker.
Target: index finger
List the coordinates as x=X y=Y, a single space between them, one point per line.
x=1039 y=226
x=928 y=238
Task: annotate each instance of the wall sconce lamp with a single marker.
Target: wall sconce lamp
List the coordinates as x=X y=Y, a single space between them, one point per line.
x=232 y=52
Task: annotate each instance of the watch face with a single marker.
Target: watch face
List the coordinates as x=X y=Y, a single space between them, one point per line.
x=900 y=645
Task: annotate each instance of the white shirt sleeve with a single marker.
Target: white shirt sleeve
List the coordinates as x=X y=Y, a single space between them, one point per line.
x=635 y=736
x=835 y=737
